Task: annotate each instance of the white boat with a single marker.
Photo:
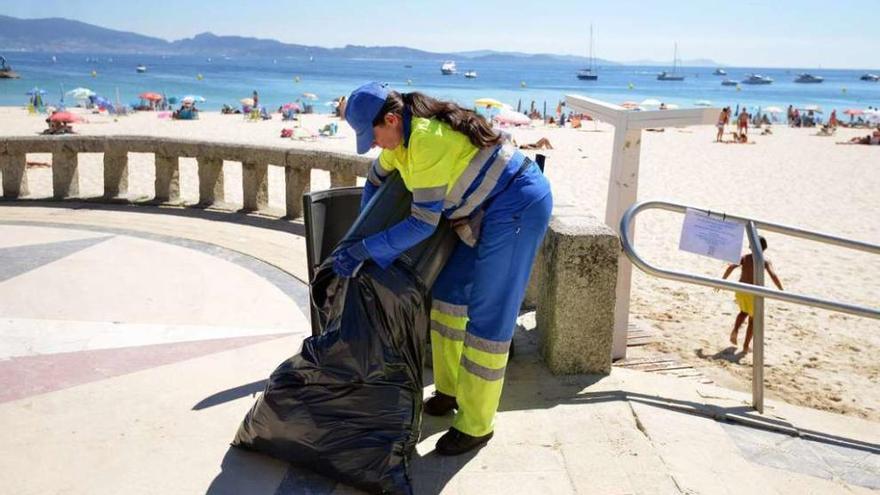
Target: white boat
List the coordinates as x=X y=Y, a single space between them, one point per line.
x=757 y=79
x=719 y=72
x=808 y=78
x=589 y=73
x=870 y=77
x=448 y=68
x=674 y=75
x=471 y=74
x=729 y=82
x=141 y=68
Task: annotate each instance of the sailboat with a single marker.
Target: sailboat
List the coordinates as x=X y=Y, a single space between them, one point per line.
x=589 y=74
x=674 y=75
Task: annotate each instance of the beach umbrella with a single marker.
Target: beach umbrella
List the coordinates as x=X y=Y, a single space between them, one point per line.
x=703 y=103
x=36 y=91
x=292 y=106
x=247 y=101
x=812 y=108
x=80 y=93
x=65 y=117
x=510 y=116
x=194 y=99
x=650 y=102
x=310 y=96
x=150 y=96
x=334 y=104
x=488 y=102
x=773 y=110
x=853 y=111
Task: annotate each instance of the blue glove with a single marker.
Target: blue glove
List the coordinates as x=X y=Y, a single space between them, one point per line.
x=349 y=261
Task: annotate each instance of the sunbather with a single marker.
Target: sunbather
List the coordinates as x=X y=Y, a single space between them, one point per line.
x=540 y=144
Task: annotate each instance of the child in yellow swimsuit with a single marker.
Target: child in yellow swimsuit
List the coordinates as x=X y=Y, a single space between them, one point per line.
x=746 y=302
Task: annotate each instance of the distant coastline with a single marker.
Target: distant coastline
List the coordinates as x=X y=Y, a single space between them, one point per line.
x=57 y=35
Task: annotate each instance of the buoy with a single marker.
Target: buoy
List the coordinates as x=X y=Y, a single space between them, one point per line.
x=631 y=86
x=409 y=82
x=94 y=73
x=296 y=79
x=199 y=77
x=843 y=90
x=522 y=84
x=738 y=88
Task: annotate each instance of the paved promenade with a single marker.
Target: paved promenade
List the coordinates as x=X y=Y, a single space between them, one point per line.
x=133 y=340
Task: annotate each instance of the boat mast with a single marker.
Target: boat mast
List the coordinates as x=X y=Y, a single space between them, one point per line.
x=591 y=48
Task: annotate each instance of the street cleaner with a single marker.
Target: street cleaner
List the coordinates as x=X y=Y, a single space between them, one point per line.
x=456 y=165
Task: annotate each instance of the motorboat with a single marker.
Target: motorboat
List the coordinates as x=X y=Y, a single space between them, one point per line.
x=674 y=75
x=719 y=72
x=729 y=82
x=471 y=74
x=141 y=68
x=757 y=79
x=448 y=68
x=870 y=77
x=808 y=78
x=589 y=73
x=6 y=71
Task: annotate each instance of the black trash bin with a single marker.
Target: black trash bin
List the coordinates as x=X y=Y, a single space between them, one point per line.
x=328 y=215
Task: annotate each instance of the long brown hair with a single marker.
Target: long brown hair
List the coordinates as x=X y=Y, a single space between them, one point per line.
x=467 y=122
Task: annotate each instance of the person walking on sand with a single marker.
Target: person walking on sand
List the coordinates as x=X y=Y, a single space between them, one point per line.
x=746 y=302
x=457 y=167
x=723 y=120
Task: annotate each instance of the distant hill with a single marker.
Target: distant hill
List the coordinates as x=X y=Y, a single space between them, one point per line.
x=695 y=62
x=64 y=35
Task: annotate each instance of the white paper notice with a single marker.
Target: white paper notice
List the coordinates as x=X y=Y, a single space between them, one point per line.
x=713 y=237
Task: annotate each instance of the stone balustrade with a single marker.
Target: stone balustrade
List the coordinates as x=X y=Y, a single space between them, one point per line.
x=573 y=281
x=255 y=161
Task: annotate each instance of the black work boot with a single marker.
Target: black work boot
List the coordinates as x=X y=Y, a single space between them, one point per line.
x=455 y=442
x=440 y=404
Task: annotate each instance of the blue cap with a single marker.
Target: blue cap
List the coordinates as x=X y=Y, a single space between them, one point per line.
x=361 y=110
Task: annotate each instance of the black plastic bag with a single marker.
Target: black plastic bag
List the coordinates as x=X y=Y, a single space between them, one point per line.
x=349 y=405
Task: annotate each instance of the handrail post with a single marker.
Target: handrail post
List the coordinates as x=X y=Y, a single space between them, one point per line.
x=255 y=185
x=757 y=320
x=167 y=183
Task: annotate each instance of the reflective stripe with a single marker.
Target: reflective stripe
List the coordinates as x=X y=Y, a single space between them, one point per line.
x=429 y=194
x=377 y=174
x=491 y=346
x=459 y=310
x=425 y=215
x=469 y=176
x=483 y=372
x=448 y=332
x=490 y=180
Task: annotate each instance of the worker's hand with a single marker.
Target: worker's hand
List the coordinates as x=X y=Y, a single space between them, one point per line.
x=349 y=261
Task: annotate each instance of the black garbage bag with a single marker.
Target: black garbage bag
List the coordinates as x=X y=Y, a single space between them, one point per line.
x=349 y=404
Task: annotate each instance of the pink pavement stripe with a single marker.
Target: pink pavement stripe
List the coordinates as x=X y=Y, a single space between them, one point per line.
x=26 y=376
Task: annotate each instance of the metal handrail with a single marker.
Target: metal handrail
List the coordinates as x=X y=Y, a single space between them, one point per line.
x=760 y=292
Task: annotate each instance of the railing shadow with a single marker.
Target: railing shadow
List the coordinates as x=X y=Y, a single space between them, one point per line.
x=237 y=217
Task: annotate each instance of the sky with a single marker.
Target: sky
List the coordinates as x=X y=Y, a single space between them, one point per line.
x=746 y=33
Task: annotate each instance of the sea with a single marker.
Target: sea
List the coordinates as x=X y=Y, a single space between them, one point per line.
x=519 y=83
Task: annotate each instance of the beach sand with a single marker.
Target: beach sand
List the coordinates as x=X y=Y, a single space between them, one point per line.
x=814 y=357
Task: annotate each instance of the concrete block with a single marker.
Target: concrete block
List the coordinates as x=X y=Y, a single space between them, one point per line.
x=115 y=172
x=14 y=169
x=297 y=182
x=255 y=185
x=167 y=178
x=210 y=180
x=575 y=307
x=65 y=173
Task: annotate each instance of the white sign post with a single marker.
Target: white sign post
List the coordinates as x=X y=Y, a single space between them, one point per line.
x=624 y=179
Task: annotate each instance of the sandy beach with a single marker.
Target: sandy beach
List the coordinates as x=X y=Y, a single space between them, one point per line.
x=813 y=357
